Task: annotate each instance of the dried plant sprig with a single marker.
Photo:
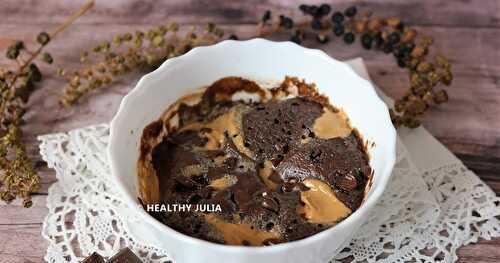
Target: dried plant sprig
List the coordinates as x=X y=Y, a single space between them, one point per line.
x=17 y=175
x=133 y=51
x=389 y=35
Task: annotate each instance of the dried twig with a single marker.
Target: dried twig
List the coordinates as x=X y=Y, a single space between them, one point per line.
x=17 y=176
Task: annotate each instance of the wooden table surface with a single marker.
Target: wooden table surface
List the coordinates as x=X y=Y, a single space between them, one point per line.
x=468 y=31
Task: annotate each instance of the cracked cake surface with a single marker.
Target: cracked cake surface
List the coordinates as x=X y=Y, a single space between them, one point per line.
x=282 y=163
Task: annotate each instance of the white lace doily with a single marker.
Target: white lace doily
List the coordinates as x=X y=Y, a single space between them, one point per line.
x=431 y=206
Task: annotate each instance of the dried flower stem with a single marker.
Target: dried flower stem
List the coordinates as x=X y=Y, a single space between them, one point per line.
x=33 y=55
x=126 y=52
x=17 y=176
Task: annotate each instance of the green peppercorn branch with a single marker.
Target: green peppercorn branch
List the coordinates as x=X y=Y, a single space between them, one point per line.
x=17 y=175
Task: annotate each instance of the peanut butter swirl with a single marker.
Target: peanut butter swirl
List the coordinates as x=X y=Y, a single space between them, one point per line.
x=282 y=164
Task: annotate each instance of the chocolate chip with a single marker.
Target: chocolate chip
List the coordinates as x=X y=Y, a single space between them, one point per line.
x=347 y=182
x=271 y=204
x=94 y=258
x=125 y=255
x=245 y=243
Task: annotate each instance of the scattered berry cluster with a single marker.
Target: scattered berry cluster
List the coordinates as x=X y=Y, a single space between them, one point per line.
x=388 y=35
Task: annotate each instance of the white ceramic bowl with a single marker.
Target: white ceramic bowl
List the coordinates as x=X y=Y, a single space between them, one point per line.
x=255 y=59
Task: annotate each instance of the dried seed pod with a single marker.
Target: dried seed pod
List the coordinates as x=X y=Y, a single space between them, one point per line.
x=366 y=40
x=399 y=105
x=337 y=18
x=442 y=62
x=117 y=40
x=410 y=121
x=394 y=38
x=43 y=38
x=34 y=73
x=393 y=21
x=446 y=77
x=375 y=24
x=424 y=67
x=19 y=45
x=158 y=40
x=360 y=26
x=47 y=58
x=426 y=41
x=409 y=35
x=349 y=38
x=419 y=51
x=441 y=96
x=416 y=106
x=350 y=11
x=12 y=52
x=428 y=98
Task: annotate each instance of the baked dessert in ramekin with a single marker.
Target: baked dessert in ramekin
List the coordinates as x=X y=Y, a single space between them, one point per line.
x=258 y=61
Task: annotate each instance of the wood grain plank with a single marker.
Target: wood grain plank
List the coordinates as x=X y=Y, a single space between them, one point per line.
x=465 y=13
x=16 y=214
x=485 y=251
x=47 y=176
x=21 y=243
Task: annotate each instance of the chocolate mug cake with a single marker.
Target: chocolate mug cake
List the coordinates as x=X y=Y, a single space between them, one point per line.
x=252 y=166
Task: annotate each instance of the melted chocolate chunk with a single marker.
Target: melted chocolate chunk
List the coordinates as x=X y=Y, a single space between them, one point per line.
x=276 y=135
x=275 y=127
